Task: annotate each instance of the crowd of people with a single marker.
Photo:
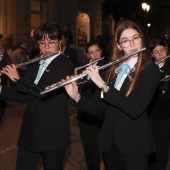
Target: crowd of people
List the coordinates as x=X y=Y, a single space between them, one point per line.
x=123 y=109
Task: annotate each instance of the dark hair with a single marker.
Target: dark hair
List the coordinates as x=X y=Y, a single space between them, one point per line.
x=153 y=43
x=51 y=30
x=65 y=35
x=91 y=43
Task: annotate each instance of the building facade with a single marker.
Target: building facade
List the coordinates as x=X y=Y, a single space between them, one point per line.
x=21 y=17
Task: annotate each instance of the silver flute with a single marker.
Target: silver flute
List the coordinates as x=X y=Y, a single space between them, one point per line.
x=167 y=77
x=93 y=62
x=36 y=59
x=80 y=76
x=163 y=59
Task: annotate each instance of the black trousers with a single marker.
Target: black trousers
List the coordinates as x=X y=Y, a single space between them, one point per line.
x=52 y=160
x=89 y=136
x=114 y=160
x=161 y=132
x=2 y=109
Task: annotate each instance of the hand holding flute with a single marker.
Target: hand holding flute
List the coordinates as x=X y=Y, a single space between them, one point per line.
x=72 y=90
x=93 y=72
x=11 y=72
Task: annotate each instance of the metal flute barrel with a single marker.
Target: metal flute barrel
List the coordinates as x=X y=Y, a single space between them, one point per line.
x=61 y=84
x=78 y=68
x=75 y=78
x=36 y=59
x=121 y=59
x=167 y=78
x=163 y=59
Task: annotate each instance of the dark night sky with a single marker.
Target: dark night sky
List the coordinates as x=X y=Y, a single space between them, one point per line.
x=130 y=8
x=124 y=8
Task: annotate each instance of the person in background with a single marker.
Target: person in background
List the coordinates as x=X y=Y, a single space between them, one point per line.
x=159 y=108
x=19 y=56
x=45 y=127
x=4 y=60
x=126 y=138
x=69 y=33
x=9 y=43
x=34 y=52
x=90 y=125
x=67 y=51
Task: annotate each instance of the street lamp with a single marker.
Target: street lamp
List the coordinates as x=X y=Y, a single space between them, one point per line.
x=148 y=24
x=145 y=7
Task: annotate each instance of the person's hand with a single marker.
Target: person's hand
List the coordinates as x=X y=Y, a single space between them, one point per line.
x=72 y=90
x=93 y=72
x=11 y=72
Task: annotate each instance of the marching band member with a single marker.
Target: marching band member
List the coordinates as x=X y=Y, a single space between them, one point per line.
x=89 y=125
x=159 y=108
x=45 y=127
x=125 y=138
x=4 y=60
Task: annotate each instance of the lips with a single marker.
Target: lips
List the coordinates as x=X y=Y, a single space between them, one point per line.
x=134 y=50
x=47 y=52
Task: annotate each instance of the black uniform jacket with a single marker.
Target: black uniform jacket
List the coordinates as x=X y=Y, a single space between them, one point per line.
x=71 y=54
x=88 y=89
x=5 y=61
x=126 y=121
x=159 y=108
x=45 y=123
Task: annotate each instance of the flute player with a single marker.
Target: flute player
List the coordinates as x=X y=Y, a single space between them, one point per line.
x=125 y=139
x=45 y=128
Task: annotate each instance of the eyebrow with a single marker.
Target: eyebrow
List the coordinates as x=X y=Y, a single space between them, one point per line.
x=132 y=36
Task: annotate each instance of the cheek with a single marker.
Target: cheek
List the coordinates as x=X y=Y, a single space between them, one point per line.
x=57 y=48
x=165 y=53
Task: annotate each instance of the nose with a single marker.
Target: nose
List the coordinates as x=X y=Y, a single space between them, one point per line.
x=131 y=43
x=95 y=54
x=160 y=52
x=46 y=46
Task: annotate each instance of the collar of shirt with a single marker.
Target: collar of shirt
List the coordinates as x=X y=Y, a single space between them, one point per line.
x=161 y=65
x=49 y=60
x=132 y=62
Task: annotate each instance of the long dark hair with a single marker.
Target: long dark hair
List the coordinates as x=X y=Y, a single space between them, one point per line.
x=117 y=53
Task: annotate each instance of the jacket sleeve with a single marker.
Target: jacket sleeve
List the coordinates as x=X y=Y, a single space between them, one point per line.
x=10 y=94
x=93 y=106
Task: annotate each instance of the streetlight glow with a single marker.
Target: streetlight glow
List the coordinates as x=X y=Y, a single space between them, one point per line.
x=148 y=24
x=145 y=7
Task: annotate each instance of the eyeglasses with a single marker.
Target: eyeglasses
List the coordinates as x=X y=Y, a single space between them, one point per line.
x=155 y=52
x=136 y=40
x=51 y=44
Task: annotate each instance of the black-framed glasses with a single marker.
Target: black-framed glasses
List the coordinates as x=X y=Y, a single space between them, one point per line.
x=50 y=44
x=155 y=52
x=136 y=40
